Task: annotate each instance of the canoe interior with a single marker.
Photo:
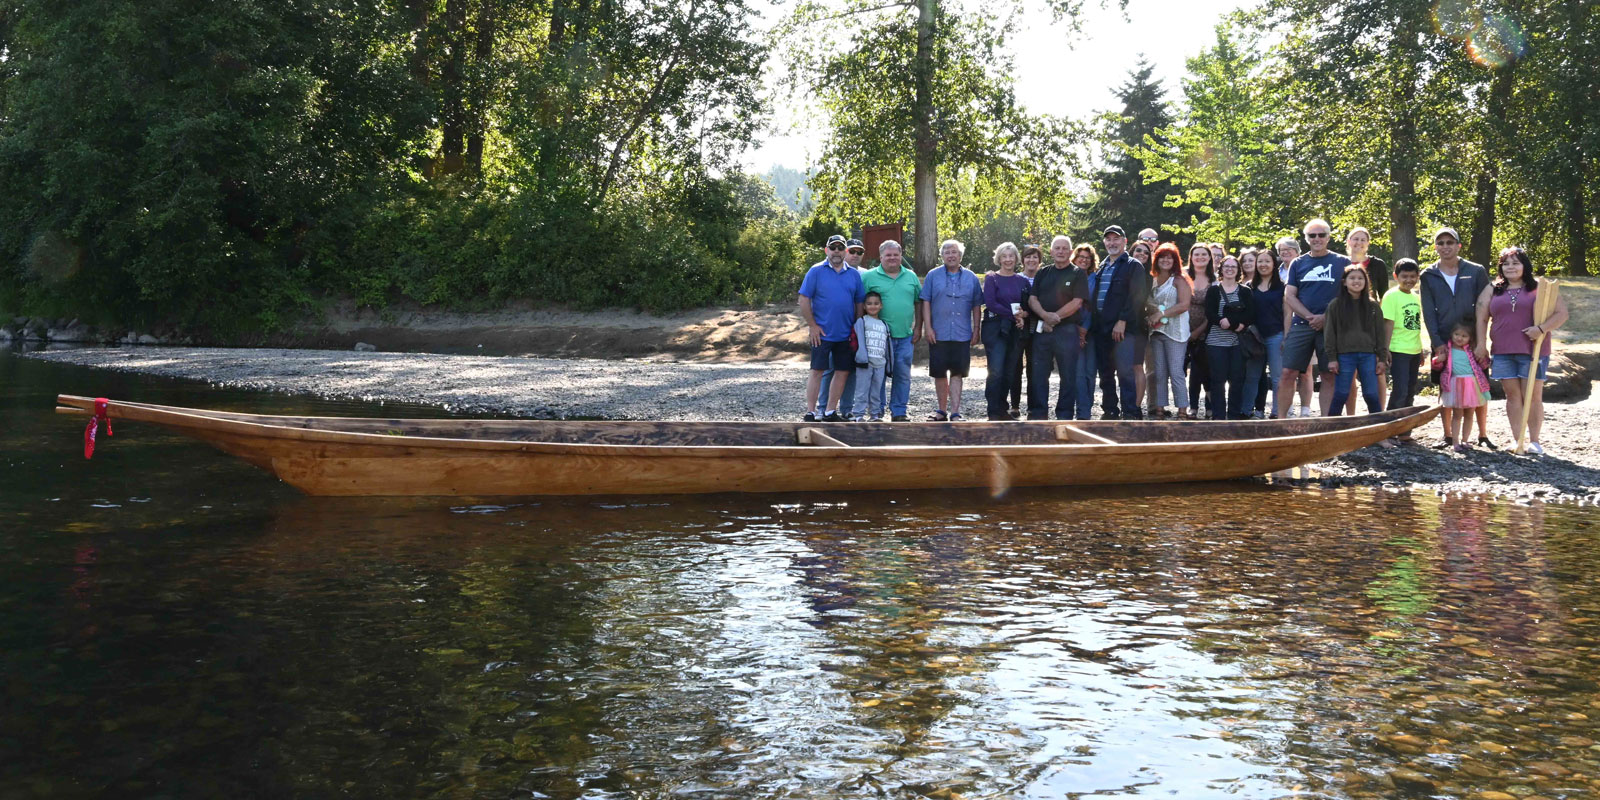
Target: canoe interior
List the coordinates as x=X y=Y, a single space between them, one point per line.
x=786 y=434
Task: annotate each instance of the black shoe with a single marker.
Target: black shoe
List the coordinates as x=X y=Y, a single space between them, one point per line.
x=1110 y=415
x=809 y=417
x=833 y=416
x=900 y=418
x=1483 y=441
x=1447 y=444
x=1135 y=414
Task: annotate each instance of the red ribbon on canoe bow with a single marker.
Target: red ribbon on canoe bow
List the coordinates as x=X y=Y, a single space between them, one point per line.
x=89 y=432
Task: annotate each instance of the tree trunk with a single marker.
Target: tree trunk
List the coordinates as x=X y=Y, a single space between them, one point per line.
x=1577 y=228
x=925 y=175
x=482 y=83
x=1403 y=140
x=1579 y=96
x=420 y=19
x=1500 y=134
x=452 y=113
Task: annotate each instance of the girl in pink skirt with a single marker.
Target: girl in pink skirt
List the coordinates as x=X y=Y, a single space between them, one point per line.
x=1462 y=386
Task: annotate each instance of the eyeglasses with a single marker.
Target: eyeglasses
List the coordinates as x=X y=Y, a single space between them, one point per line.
x=1147 y=238
x=835 y=247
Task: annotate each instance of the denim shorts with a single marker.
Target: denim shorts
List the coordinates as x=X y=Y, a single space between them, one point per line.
x=1514 y=366
x=1299 y=345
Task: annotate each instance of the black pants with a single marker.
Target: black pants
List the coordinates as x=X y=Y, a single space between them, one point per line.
x=1023 y=365
x=1000 y=346
x=1199 y=372
x=1058 y=350
x=1403 y=367
x=1225 y=394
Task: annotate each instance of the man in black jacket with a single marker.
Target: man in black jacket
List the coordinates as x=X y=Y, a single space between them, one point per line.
x=1116 y=318
x=1450 y=289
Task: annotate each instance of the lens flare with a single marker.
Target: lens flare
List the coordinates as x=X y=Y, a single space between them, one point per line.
x=1456 y=19
x=54 y=258
x=1497 y=42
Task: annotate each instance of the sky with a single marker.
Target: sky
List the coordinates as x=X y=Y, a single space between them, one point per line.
x=1052 y=79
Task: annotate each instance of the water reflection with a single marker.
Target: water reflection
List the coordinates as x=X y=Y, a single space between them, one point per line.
x=176 y=623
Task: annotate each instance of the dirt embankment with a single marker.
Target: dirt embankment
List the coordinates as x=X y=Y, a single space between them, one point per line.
x=769 y=333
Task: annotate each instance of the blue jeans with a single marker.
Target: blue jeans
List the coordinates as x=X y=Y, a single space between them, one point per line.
x=1056 y=350
x=846 y=400
x=1272 y=362
x=899 y=375
x=1350 y=364
x=1085 y=382
x=1000 y=344
x=1116 y=362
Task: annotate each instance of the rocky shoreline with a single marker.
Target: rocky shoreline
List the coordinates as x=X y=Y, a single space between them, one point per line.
x=637 y=389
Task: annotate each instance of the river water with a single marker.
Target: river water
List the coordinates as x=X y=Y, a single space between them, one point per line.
x=176 y=623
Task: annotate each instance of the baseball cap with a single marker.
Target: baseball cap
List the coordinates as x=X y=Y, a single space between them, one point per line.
x=836 y=238
x=1116 y=229
x=1445 y=230
x=854 y=243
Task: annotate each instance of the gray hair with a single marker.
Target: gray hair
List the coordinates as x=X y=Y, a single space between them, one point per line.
x=959 y=246
x=1005 y=247
x=1317 y=221
x=886 y=244
x=1288 y=241
x=1061 y=238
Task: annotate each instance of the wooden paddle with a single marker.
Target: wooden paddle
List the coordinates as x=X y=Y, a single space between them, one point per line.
x=1543 y=306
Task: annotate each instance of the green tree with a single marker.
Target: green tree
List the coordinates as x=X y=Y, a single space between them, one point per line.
x=924 y=91
x=1122 y=191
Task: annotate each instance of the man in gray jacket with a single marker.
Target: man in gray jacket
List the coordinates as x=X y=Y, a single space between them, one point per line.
x=1450 y=289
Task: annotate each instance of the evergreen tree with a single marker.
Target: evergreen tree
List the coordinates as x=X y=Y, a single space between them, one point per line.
x=1120 y=192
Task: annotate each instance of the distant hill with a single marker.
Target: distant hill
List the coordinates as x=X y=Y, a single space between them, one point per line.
x=790 y=186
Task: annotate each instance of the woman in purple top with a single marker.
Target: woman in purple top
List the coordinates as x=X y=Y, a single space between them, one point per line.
x=1003 y=290
x=1505 y=314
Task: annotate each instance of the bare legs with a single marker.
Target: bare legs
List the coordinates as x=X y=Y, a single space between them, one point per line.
x=948 y=393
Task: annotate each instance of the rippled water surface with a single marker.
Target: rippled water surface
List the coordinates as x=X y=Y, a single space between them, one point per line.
x=177 y=623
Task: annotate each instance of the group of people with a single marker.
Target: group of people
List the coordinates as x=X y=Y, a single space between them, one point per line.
x=1151 y=324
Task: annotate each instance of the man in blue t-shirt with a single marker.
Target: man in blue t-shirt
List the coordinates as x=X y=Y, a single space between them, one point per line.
x=830 y=301
x=1314 y=280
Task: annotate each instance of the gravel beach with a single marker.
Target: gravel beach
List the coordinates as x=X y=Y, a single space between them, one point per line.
x=628 y=389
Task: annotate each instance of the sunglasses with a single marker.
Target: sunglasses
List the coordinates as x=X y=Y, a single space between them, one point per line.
x=1147 y=238
x=1316 y=236
x=835 y=247
x=856 y=251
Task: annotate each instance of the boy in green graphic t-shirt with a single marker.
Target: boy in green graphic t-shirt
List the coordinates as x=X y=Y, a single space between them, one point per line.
x=1402 y=315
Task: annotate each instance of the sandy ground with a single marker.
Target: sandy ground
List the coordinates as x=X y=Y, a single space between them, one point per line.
x=690 y=390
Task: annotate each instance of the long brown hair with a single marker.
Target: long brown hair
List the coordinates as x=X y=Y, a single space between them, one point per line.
x=1211 y=262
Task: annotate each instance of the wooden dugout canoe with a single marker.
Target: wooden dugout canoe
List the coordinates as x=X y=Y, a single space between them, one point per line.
x=354 y=456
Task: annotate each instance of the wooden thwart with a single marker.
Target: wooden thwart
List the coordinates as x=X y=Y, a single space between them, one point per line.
x=1071 y=433
x=815 y=436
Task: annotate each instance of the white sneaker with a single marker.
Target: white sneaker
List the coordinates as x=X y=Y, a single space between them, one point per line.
x=1305 y=411
x=1534 y=449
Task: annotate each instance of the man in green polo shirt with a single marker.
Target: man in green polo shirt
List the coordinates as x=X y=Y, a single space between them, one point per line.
x=901 y=291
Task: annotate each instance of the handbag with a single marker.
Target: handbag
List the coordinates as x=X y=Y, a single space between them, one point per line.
x=1250 y=342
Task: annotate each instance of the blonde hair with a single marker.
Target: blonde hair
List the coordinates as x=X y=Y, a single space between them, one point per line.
x=1004 y=247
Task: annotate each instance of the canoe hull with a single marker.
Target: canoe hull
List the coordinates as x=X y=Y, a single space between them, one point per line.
x=363 y=464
